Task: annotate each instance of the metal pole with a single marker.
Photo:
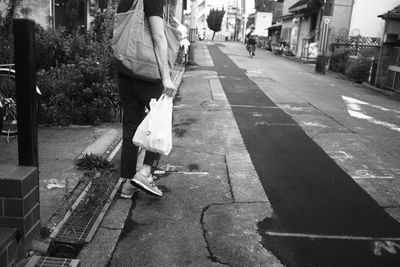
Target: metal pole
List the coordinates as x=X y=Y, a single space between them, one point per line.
x=192 y=30
x=320 y=65
x=27 y=105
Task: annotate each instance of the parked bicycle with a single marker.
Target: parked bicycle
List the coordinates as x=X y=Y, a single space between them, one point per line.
x=8 y=104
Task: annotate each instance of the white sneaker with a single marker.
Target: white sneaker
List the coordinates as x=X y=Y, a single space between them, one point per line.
x=146 y=184
x=128 y=190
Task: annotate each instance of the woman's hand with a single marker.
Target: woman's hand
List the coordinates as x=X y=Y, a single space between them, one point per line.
x=169 y=87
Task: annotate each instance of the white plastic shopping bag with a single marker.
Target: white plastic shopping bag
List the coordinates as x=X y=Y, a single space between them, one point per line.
x=155 y=131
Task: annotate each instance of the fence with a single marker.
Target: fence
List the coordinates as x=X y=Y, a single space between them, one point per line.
x=355 y=43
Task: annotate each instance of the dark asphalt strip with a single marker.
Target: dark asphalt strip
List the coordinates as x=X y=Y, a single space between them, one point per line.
x=309 y=192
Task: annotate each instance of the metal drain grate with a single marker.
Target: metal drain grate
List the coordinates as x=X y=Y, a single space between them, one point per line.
x=79 y=226
x=37 y=261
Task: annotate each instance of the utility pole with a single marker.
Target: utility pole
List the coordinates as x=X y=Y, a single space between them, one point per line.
x=320 y=65
x=244 y=20
x=193 y=29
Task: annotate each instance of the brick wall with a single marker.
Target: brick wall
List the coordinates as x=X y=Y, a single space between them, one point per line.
x=19 y=203
x=8 y=246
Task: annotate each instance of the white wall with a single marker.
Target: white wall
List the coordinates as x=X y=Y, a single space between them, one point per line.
x=365 y=19
x=262 y=22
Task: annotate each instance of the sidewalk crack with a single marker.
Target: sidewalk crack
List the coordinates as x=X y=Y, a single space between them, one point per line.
x=212 y=257
x=229 y=180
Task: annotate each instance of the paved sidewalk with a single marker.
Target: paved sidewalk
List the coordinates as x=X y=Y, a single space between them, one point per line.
x=212 y=198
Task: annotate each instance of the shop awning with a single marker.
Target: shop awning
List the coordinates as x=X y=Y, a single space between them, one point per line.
x=275 y=27
x=306 y=6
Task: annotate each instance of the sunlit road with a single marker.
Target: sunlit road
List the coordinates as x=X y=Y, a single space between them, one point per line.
x=324 y=214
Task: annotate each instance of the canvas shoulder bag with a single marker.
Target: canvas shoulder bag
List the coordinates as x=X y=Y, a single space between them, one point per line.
x=133 y=47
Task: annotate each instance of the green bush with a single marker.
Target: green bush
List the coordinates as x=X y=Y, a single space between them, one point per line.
x=339 y=60
x=359 y=69
x=75 y=71
x=77 y=94
x=52 y=48
x=76 y=77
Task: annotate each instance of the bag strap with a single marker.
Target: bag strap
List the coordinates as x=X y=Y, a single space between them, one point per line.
x=166 y=12
x=137 y=4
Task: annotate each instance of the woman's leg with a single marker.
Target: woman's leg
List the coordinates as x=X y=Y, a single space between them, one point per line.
x=133 y=113
x=135 y=95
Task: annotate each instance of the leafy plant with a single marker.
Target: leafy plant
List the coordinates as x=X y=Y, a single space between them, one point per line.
x=214 y=20
x=102 y=25
x=339 y=60
x=93 y=162
x=6 y=35
x=359 y=69
x=77 y=94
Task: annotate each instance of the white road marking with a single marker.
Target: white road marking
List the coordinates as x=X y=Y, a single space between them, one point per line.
x=257 y=114
x=372 y=177
x=250 y=106
x=365 y=174
x=359 y=102
x=355 y=110
x=314 y=124
x=389 y=246
x=261 y=123
x=340 y=155
x=338 y=237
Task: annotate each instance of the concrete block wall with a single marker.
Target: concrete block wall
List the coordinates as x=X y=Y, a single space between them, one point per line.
x=19 y=203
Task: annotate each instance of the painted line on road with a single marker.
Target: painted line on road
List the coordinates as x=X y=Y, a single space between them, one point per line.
x=372 y=177
x=250 y=106
x=115 y=151
x=337 y=237
x=355 y=110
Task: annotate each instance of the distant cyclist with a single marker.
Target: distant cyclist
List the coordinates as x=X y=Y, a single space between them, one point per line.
x=251 y=41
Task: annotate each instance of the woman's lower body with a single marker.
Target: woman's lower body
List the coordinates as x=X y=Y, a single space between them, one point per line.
x=135 y=96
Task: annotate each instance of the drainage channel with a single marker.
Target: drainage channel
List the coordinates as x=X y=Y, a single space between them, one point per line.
x=76 y=229
x=79 y=224
x=52 y=262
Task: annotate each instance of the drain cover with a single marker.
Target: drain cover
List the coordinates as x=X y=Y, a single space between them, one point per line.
x=80 y=226
x=36 y=261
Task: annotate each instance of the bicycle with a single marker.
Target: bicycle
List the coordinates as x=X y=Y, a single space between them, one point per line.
x=8 y=104
x=251 y=49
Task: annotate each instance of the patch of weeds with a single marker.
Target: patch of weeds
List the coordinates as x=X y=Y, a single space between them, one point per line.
x=98 y=172
x=92 y=162
x=193 y=167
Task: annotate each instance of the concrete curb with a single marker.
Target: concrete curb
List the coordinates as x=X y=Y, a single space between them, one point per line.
x=100 y=250
x=379 y=90
x=101 y=145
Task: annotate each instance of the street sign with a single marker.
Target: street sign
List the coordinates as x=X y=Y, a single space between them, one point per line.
x=327 y=19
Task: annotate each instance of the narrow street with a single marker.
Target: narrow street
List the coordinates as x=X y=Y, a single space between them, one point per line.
x=325 y=150
x=321 y=214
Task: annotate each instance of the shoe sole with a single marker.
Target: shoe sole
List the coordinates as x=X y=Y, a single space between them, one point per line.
x=129 y=196
x=144 y=188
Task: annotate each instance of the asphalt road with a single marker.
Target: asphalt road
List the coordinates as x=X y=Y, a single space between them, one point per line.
x=313 y=141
